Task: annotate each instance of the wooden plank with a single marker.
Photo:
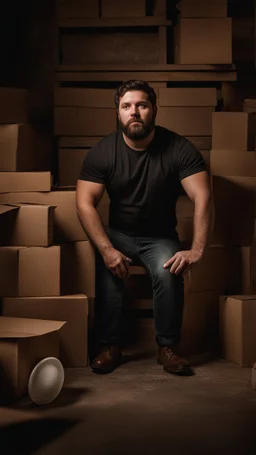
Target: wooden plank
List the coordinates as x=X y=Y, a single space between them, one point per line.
x=143 y=67
x=150 y=76
x=162 y=43
x=147 y=21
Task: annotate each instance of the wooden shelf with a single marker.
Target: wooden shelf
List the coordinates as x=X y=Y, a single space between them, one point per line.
x=147 y=21
x=148 y=67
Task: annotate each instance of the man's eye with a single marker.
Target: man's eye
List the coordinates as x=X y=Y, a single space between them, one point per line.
x=143 y=105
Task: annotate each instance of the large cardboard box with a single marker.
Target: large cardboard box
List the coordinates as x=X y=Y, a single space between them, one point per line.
x=78 y=268
x=187 y=96
x=187 y=121
x=121 y=8
x=84 y=97
x=26 y=225
x=73 y=309
x=83 y=121
x=233 y=131
x=69 y=165
x=237 y=328
x=203 y=41
x=13 y=105
x=25 y=181
x=203 y=8
x=67 y=227
x=23 y=344
x=19 y=149
x=33 y=271
x=232 y=163
x=77 y=8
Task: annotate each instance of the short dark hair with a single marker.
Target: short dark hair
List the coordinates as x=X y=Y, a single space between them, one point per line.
x=127 y=86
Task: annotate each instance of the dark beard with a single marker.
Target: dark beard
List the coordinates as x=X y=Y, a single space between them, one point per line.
x=140 y=131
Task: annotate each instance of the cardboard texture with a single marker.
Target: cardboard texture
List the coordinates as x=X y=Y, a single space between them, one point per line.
x=78 y=268
x=187 y=96
x=25 y=181
x=24 y=343
x=77 y=8
x=187 y=121
x=203 y=8
x=75 y=121
x=69 y=165
x=33 y=271
x=84 y=97
x=203 y=41
x=233 y=131
x=13 y=105
x=19 y=149
x=120 y=8
x=26 y=225
x=232 y=163
x=73 y=309
x=67 y=227
x=237 y=329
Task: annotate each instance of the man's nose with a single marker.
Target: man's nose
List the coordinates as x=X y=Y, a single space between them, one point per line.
x=134 y=111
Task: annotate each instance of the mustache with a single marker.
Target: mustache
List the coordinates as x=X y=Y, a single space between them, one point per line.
x=134 y=120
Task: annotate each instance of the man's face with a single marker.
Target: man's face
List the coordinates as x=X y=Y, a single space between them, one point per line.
x=136 y=115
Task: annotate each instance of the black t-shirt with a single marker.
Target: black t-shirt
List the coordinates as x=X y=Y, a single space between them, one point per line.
x=143 y=186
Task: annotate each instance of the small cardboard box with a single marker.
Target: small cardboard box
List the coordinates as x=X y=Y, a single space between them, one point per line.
x=84 y=121
x=13 y=105
x=25 y=181
x=33 y=271
x=203 y=8
x=121 y=8
x=202 y=96
x=84 y=97
x=187 y=121
x=203 y=41
x=237 y=328
x=69 y=165
x=73 y=309
x=233 y=131
x=24 y=343
x=67 y=227
x=233 y=163
x=26 y=225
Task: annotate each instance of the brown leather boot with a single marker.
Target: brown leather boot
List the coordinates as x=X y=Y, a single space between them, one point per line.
x=107 y=360
x=172 y=363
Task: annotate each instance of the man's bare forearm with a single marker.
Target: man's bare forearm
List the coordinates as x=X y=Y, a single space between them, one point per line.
x=93 y=226
x=203 y=215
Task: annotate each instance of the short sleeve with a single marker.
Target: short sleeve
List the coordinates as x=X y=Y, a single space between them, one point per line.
x=189 y=161
x=94 y=167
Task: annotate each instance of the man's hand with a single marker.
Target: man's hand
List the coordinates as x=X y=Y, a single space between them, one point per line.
x=116 y=262
x=183 y=261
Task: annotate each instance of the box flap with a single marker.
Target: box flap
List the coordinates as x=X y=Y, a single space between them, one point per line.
x=7 y=208
x=26 y=327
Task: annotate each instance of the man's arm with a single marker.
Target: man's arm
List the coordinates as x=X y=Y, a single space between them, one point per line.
x=197 y=187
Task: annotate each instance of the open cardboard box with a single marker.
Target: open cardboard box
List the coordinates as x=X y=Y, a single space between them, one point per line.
x=23 y=343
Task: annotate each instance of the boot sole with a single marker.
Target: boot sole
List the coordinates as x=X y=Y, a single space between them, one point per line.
x=181 y=371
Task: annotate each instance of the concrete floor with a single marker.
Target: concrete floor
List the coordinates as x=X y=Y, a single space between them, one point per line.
x=139 y=409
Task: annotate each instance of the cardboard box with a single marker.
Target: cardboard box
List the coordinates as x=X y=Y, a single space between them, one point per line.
x=26 y=225
x=249 y=105
x=120 y=8
x=203 y=41
x=84 y=97
x=69 y=165
x=75 y=121
x=13 y=105
x=187 y=96
x=233 y=131
x=203 y=8
x=231 y=162
x=33 y=271
x=67 y=227
x=73 y=309
x=187 y=121
x=77 y=8
x=25 y=181
x=23 y=344
x=237 y=329
x=78 y=268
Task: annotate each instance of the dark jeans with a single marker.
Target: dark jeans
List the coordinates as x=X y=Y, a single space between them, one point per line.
x=168 y=289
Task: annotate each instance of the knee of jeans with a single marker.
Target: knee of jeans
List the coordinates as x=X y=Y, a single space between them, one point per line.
x=165 y=277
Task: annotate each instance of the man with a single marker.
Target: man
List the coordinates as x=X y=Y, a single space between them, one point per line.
x=141 y=167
